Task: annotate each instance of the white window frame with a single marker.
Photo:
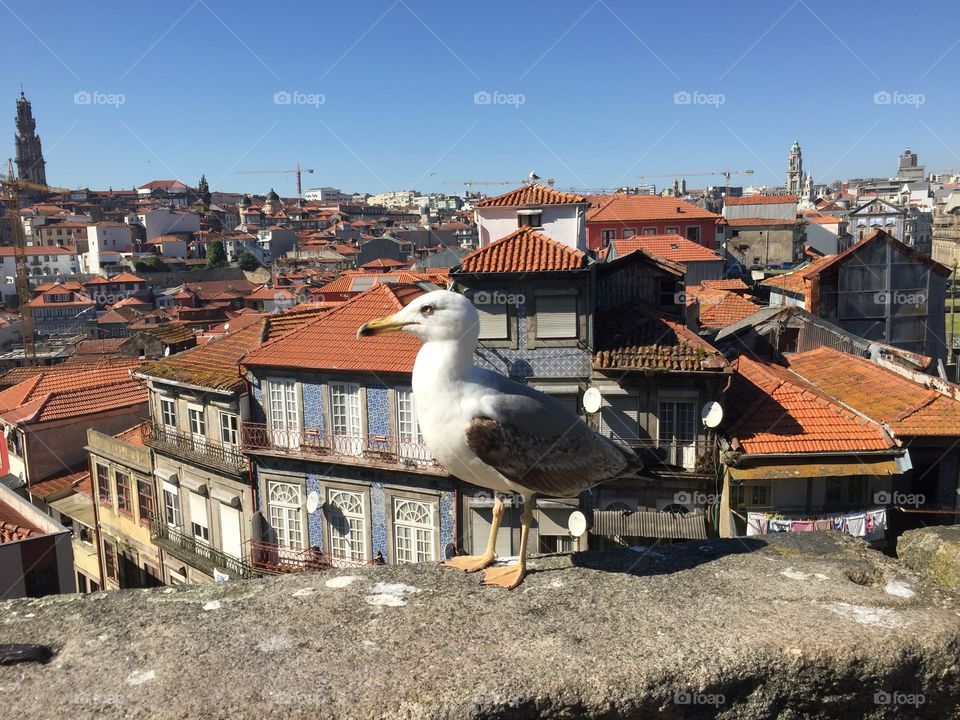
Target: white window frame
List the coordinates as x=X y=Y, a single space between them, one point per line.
x=200 y=531
x=494 y=322
x=672 y=230
x=681 y=451
x=686 y=233
x=648 y=231
x=286 y=514
x=346 y=418
x=284 y=405
x=171 y=505
x=229 y=428
x=168 y=411
x=198 y=413
x=409 y=438
x=627 y=233
x=348 y=525
x=414 y=525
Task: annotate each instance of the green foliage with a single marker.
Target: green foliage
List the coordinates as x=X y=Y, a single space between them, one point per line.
x=216 y=255
x=248 y=261
x=150 y=264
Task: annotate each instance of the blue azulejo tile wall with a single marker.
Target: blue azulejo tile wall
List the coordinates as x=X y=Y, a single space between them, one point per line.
x=313 y=406
x=378 y=416
x=315 y=518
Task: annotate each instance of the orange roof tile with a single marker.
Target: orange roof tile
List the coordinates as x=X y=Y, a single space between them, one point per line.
x=772 y=410
x=330 y=342
x=760 y=200
x=57 y=483
x=523 y=250
x=673 y=247
x=134 y=435
x=735 y=284
x=793 y=281
x=760 y=222
x=719 y=308
x=629 y=208
x=907 y=407
x=532 y=194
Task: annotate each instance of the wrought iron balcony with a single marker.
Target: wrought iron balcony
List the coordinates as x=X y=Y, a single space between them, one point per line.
x=198 y=554
x=692 y=456
x=199 y=450
x=373 y=450
x=268 y=557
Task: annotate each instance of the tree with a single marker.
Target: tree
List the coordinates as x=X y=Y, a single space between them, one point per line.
x=248 y=261
x=216 y=255
x=150 y=264
x=203 y=190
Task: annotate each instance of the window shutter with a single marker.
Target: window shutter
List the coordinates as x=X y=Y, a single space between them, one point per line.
x=618 y=417
x=231 y=540
x=557 y=316
x=198 y=510
x=493 y=322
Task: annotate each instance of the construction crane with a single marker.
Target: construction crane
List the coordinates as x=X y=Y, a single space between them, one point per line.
x=725 y=173
x=531 y=178
x=12 y=188
x=297 y=171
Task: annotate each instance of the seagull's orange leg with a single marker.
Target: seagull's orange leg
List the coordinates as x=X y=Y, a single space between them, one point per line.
x=509 y=577
x=472 y=563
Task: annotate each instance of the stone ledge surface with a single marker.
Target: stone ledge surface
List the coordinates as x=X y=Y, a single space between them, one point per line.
x=794 y=626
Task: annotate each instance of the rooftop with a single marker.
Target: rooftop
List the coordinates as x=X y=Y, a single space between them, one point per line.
x=760 y=200
x=673 y=247
x=720 y=308
x=626 y=208
x=330 y=342
x=908 y=407
x=532 y=194
x=523 y=250
x=772 y=410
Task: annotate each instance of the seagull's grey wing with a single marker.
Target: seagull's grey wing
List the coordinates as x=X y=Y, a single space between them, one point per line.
x=535 y=441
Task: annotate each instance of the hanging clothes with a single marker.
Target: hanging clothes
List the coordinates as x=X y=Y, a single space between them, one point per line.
x=826 y=524
x=857 y=524
x=779 y=525
x=876 y=524
x=802 y=526
x=840 y=523
x=756 y=523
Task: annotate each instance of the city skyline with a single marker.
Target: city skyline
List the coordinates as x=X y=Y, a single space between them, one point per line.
x=210 y=93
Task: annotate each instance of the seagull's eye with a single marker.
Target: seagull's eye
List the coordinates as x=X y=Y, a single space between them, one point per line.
x=426 y=310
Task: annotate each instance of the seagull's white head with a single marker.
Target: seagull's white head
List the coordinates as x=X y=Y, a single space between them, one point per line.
x=437 y=315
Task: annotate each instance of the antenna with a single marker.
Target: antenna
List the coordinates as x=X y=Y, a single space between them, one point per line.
x=711 y=414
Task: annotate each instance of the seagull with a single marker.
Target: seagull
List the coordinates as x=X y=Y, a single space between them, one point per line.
x=491 y=431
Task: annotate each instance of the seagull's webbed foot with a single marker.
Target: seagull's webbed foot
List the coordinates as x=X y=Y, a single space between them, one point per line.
x=469 y=563
x=507 y=577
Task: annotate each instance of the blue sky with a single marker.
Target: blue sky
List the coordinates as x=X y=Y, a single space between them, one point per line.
x=383 y=93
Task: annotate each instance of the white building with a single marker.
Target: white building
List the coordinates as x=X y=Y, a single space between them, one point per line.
x=559 y=215
x=106 y=243
x=163 y=221
x=394 y=199
x=41 y=262
x=328 y=194
x=275 y=242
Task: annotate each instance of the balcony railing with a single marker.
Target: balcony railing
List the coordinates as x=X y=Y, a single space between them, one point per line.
x=268 y=557
x=199 y=450
x=684 y=455
x=374 y=450
x=198 y=554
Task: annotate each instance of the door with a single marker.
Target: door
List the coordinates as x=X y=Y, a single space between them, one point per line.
x=345 y=413
x=286 y=518
x=677 y=432
x=284 y=414
x=409 y=440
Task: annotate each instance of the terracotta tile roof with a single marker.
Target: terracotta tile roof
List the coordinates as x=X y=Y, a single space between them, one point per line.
x=211 y=365
x=352 y=282
x=330 y=342
x=72 y=391
x=719 y=308
x=58 y=483
x=169 y=333
x=532 y=194
x=761 y=222
x=17 y=375
x=673 y=247
x=877 y=236
x=523 y=250
x=7 y=251
x=236 y=323
x=735 y=284
x=907 y=407
x=293 y=318
x=771 y=410
x=14 y=526
x=133 y=435
x=632 y=208
x=105 y=346
x=385 y=263
x=636 y=338
x=760 y=200
x=793 y=281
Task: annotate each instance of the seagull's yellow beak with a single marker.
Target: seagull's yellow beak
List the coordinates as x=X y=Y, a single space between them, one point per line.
x=391 y=323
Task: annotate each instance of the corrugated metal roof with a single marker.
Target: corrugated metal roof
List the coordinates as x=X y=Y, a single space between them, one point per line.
x=648 y=524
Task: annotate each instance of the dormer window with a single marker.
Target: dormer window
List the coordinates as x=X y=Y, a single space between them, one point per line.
x=530 y=218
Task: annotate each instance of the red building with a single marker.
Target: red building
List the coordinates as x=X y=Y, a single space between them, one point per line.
x=625 y=216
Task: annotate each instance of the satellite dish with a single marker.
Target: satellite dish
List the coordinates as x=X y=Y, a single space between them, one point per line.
x=166 y=351
x=592 y=399
x=711 y=414
x=313 y=501
x=577 y=523
x=226 y=326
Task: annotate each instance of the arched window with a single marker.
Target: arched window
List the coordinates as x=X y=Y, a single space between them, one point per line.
x=285 y=515
x=413 y=531
x=348 y=533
